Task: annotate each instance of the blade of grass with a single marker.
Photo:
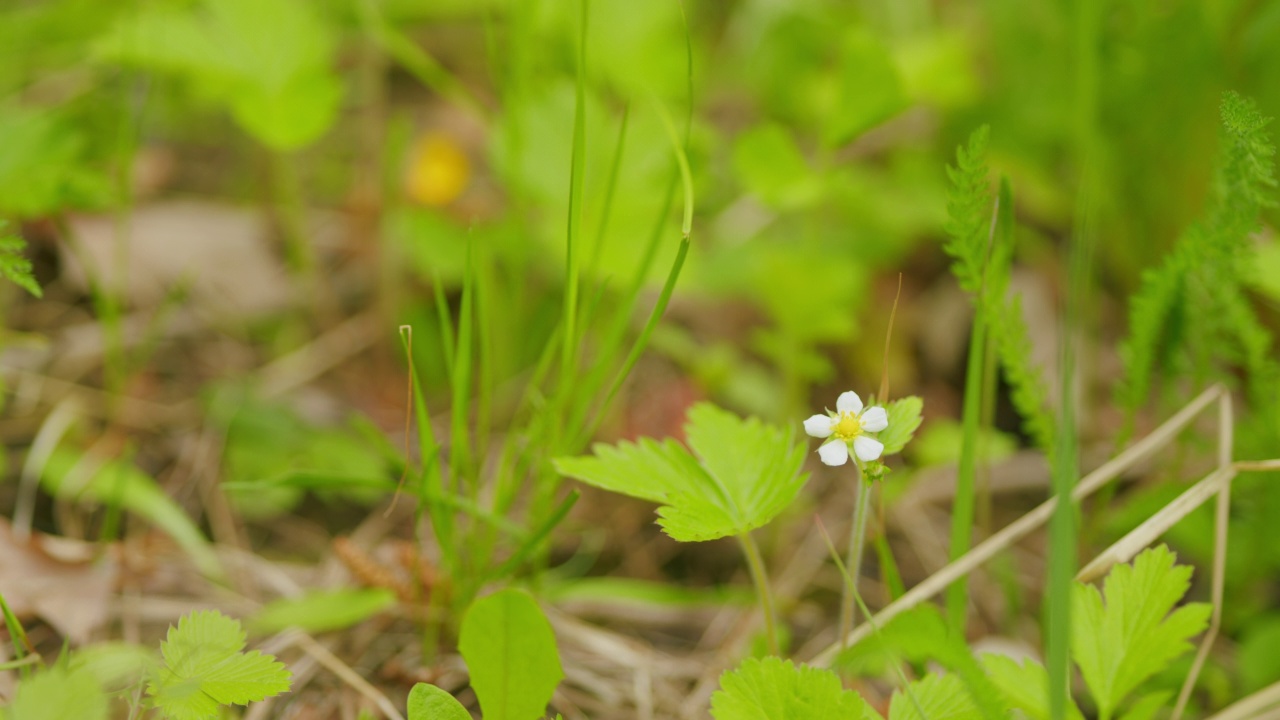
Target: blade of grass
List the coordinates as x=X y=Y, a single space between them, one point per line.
x=962 y=513
x=606 y=210
x=460 y=466
x=573 y=234
x=448 y=343
x=535 y=538
x=1063 y=531
x=431 y=480
x=17 y=637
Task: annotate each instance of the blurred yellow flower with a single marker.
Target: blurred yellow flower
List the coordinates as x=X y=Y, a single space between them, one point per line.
x=438 y=170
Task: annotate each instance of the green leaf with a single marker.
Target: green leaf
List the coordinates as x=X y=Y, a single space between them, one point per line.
x=428 y=702
x=1136 y=632
x=268 y=61
x=1256 y=659
x=745 y=474
x=59 y=694
x=43 y=168
x=116 y=665
x=968 y=211
x=940 y=697
x=121 y=482
x=772 y=688
x=1145 y=707
x=1025 y=686
x=205 y=667
x=921 y=635
x=15 y=267
x=511 y=653
x=323 y=611
x=904 y=419
x=770 y=165
x=870 y=89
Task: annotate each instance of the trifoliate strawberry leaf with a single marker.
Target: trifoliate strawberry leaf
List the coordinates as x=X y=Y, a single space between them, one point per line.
x=1135 y=633
x=14 y=266
x=1025 y=686
x=771 y=688
x=511 y=653
x=936 y=697
x=904 y=418
x=745 y=473
x=205 y=668
x=428 y=702
x=58 y=694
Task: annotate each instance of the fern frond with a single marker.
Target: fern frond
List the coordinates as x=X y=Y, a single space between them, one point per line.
x=1190 y=312
x=968 y=212
x=1026 y=383
x=15 y=267
x=1149 y=314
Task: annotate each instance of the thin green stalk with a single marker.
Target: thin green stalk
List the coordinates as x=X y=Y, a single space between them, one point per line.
x=287 y=190
x=756 y=564
x=963 y=509
x=857 y=543
x=851 y=588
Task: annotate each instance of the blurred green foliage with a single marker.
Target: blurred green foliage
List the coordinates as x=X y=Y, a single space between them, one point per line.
x=818 y=135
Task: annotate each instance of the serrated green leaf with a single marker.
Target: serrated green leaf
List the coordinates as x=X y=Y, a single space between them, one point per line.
x=428 y=702
x=904 y=419
x=1146 y=707
x=114 y=664
x=59 y=694
x=1135 y=633
x=921 y=635
x=323 y=611
x=510 y=650
x=745 y=473
x=940 y=697
x=772 y=688
x=16 y=267
x=205 y=668
x=1025 y=686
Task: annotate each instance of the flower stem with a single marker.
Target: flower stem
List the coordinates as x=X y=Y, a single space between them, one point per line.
x=756 y=563
x=857 y=541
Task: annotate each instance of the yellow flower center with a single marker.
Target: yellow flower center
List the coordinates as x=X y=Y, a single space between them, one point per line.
x=849 y=427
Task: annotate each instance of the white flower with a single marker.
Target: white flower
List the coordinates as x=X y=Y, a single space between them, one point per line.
x=848 y=426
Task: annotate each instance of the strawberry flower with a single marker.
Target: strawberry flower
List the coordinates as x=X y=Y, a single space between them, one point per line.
x=848 y=428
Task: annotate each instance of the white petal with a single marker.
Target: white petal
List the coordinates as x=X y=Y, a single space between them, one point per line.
x=818 y=426
x=867 y=449
x=875 y=419
x=849 y=402
x=834 y=453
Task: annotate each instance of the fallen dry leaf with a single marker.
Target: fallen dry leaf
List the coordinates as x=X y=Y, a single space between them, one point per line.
x=67 y=583
x=221 y=253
